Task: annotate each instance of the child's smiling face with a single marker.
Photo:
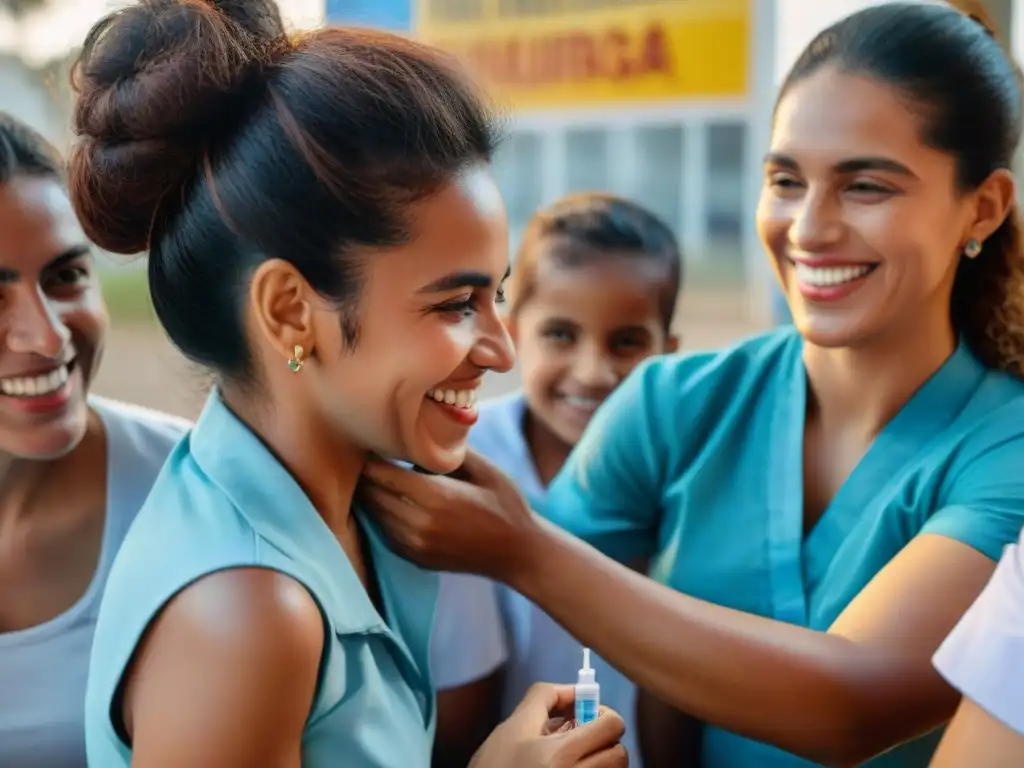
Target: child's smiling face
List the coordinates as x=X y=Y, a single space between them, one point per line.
x=582 y=330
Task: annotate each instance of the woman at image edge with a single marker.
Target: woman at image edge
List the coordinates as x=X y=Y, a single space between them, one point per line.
x=822 y=503
x=982 y=659
x=76 y=468
x=324 y=234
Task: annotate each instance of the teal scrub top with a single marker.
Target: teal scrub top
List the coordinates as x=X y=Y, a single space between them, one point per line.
x=696 y=462
x=223 y=501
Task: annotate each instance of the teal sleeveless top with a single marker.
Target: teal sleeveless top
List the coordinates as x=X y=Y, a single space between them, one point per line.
x=223 y=501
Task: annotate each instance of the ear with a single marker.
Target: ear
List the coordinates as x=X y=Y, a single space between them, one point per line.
x=672 y=344
x=993 y=201
x=279 y=300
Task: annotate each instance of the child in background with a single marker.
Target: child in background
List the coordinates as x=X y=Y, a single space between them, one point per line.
x=592 y=294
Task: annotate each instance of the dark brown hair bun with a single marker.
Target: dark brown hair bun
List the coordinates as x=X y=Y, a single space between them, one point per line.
x=157 y=83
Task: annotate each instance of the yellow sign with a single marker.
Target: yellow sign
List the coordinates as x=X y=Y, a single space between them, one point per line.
x=557 y=53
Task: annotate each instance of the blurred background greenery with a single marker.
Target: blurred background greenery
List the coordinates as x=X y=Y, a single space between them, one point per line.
x=127 y=295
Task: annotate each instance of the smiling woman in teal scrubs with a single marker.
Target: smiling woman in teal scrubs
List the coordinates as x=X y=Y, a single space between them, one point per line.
x=823 y=502
x=324 y=234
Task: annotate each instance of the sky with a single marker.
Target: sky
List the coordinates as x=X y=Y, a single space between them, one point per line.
x=63 y=24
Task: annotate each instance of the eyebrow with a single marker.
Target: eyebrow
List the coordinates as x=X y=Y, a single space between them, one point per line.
x=559 y=320
x=10 y=275
x=463 y=279
x=853 y=165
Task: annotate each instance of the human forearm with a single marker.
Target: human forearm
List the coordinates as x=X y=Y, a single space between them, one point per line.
x=976 y=738
x=810 y=693
x=837 y=697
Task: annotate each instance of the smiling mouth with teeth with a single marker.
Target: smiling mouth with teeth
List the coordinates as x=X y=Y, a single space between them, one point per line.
x=589 y=404
x=457 y=398
x=827 y=277
x=37 y=386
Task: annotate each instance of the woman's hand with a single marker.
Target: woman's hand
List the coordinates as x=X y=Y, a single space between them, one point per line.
x=480 y=524
x=537 y=735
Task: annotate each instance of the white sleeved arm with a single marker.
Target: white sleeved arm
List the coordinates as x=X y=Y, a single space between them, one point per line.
x=983 y=657
x=468 y=641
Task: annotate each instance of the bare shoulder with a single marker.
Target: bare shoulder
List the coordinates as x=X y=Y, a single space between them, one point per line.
x=227 y=672
x=247 y=612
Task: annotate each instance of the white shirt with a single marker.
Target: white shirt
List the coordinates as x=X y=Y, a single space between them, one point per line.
x=43 y=669
x=983 y=657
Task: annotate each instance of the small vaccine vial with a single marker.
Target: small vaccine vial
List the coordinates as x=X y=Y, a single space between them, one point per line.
x=588 y=692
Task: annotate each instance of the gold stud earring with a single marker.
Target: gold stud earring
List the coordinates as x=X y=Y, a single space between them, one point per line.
x=295 y=363
x=972 y=249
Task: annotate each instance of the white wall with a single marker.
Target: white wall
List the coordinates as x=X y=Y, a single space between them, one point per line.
x=1016 y=31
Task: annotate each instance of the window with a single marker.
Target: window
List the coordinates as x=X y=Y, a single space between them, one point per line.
x=586 y=160
x=517 y=168
x=659 y=175
x=725 y=192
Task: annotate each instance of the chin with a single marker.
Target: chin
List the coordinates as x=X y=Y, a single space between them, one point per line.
x=561 y=426
x=831 y=333
x=439 y=459
x=569 y=434
x=48 y=444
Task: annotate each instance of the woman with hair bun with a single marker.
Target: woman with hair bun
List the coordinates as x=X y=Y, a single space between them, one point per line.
x=822 y=503
x=324 y=235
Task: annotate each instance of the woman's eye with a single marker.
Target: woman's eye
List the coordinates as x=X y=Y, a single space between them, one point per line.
x=869 y=187
x=783 y=182
x=461 y=307
x=464 y=306
x=68 y=277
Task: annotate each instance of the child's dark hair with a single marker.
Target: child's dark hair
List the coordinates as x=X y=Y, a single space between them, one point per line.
x=24 y=152
x=591 y=228
x=215 y=141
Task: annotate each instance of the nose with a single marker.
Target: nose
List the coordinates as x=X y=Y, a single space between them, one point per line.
x=34 y=327
x=817 y=224
x=594 y=368
x=493 y=350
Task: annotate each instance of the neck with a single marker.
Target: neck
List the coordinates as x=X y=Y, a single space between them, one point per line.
x=549 y=452
x=326 y=468
x=20 y=482
x=28 y=486
x=867 y=385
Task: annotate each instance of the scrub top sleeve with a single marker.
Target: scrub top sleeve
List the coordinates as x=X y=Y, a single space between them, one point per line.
x=468 y=639
x=985 y=505
x=983 y=657
x=609 y=491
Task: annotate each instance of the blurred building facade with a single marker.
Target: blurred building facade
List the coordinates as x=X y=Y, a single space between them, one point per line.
x=646 y=98
x=666 y=101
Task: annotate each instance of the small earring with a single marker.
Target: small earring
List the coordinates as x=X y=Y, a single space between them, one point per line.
x=972 y=249
x=295 y=363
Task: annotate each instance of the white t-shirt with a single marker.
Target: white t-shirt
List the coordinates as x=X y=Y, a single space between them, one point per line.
x=983 y=657
x=533 y=646
x=43 y=669
x=467 y=643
